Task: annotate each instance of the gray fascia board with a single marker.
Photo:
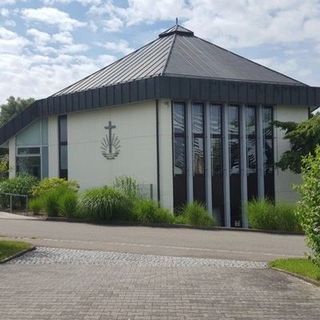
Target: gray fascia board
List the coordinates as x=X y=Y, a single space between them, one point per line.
x=161 y=87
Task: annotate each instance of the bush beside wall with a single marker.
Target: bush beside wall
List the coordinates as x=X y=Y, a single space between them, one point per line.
x=263 y=214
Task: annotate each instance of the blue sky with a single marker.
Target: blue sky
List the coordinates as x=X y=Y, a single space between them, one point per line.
x=46 y=45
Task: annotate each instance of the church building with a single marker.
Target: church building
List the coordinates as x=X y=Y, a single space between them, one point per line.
x=187 y=117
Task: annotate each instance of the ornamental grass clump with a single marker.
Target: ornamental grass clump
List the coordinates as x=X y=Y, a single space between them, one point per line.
x=263 y=214
x=104 y=204
x=195 y=214
x=127 y=185
x=308 y=209
x=148 y=211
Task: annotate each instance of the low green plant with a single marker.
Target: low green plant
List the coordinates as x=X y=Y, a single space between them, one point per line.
x=195 y=214
x=127 y=185
x=263 y=214
x=148 y=211
x=10 y=248
x=22 y=184
x=35 y=205
x=286 y=218
x=301 y=266
x=51 y=201
x=48 y=184
x=68 y=204
x=104 y=204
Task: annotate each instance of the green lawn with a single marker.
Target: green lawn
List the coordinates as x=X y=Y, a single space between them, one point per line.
x=303 y=267
x=10 y=248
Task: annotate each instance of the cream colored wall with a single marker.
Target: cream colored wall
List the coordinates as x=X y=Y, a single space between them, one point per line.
x=165 y=151
x=53 y=150
x=12 y=157
x=136 y=129
x=284 y=180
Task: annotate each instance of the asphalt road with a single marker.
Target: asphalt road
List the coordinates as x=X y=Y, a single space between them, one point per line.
x=160 y=241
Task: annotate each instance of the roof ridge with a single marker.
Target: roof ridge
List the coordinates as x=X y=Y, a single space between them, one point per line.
x=251 y=61
x=169 y=54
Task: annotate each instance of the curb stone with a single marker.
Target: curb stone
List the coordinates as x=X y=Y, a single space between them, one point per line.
x=17 y=254
x=306 y=279
x=167 y=225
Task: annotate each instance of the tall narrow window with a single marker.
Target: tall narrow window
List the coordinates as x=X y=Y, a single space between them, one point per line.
x=198 y=152
x=251 y=152
x=63 y=147
x=234 y=152
x=268 y=153
x=179 y=154
x=216 y=162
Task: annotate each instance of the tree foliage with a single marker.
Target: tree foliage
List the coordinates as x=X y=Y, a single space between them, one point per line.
x=308 y=209
x=13 y=107
x=304 y=137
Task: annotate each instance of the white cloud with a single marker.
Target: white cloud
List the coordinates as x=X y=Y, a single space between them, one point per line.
x=63 y=37
x=10 y=42
x=40 y=37
x=52 y=16
x=6 y=2
x=83 y=2
x=121 y=46
x=39 y=76
x=4 y=12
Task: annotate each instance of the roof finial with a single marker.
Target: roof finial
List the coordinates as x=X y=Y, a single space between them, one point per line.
x=177 y=21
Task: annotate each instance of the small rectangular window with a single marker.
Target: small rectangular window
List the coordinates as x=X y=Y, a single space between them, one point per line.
x=29 y=151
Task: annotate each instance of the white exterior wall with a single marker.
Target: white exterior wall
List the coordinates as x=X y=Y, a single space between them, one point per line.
x=136 y=129
x=165 y=151
x=284 y=180
x=53 y=148
x=12 y=157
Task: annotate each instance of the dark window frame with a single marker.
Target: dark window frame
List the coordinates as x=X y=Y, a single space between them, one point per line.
x=63 y=173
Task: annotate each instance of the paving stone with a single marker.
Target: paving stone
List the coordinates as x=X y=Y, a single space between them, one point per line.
x=92 y=285
x=44 y=255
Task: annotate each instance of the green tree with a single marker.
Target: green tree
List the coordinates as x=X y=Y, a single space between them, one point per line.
x=304 y=137
x=308 y=207
x=13 y=107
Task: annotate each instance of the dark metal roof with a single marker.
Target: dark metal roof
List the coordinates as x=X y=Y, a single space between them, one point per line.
x=177 y=52
x=148 y=61
x=194 y=57
x=179 y=66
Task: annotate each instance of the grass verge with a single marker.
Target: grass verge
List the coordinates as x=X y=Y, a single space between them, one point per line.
x=10 y=248
x=302 y=267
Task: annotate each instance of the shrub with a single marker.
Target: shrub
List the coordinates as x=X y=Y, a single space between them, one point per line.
x=35 y=205
x=148 y=211
x=22 y=184
x=52 y=183
x=51 y=201
x=104 y=204
x=68 y=204
x=263 y=214
x=286 y=217
x=127 y=185
x=308 y=209
x=196 y=214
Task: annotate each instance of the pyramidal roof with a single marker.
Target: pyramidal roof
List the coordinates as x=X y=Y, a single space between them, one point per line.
x=177 y=52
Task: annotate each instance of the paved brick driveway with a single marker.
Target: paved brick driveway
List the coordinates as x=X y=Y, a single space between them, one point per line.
x=77 y=284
